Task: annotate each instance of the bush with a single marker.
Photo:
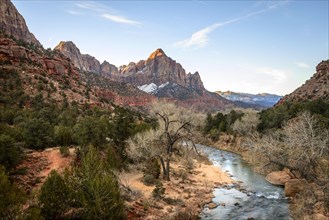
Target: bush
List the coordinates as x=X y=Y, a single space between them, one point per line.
x=63 y=135
x=11 y=198
x=65 y=151
x=149 y=180
x=54 y=196
x=38 y=133
x=158 y=191
x=113 y=158
x=186 y=214
x=152 y=168
x=96 y=189
x=10 y=156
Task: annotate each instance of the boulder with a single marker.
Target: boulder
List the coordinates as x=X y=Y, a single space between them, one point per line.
x=295 y=186
x=318 y=216
x=212 y=205
x=279 y=177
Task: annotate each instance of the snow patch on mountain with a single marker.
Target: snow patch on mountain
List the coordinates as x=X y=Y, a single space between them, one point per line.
x=152 y=88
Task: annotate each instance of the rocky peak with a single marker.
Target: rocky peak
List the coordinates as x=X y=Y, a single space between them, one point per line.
x=108 y=69
x=194 y=82
x=158 y=69
x=158 y=53
x=84 y=62
x=13 y=24
x=314 y=88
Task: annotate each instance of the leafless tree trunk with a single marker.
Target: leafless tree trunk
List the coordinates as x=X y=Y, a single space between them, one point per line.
x=175 y=130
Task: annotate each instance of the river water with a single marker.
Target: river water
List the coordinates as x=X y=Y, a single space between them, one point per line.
x=253 y=198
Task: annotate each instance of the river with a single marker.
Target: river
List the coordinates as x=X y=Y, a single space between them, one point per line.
x=253 y=198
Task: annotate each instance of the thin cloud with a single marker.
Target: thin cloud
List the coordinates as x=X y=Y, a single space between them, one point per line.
x=119 y=19
x=254 y=79
x=74 y=12
x=303 y=65
x=105 y=12
x=272 y=74
x=93 y=6
x=201 y=38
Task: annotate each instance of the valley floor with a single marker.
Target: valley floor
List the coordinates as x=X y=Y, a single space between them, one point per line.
x=185 y=195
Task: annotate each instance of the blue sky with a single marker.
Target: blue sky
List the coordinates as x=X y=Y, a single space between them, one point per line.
x=242 y=46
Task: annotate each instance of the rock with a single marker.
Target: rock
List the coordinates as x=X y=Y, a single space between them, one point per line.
x=84 y=62
x=13 y=24
x=109 y=70
x=158 y=69
x=212 y=205
x=158 y=75
x=193 y=81
x=318 y=216
x=295 y=186
x=209 y=200
x=279 y=177
x=314 y=88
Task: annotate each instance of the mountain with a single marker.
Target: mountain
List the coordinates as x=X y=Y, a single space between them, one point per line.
x=314 y=88
x=30 y=74
x=85 y=62
x=13 y=24
x=262 y=100
x=158 y=75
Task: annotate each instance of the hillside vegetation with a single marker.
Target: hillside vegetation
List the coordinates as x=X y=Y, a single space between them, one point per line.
x=293 y=136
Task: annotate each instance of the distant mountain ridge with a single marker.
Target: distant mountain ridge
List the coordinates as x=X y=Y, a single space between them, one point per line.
x=82 y=78
x=49 y=75
x=317 y=87
x=158 y=75
x=265 y=100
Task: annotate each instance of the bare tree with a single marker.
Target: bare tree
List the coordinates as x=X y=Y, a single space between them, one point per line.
x=247 y=123
x=175 y=130
x=299 y=146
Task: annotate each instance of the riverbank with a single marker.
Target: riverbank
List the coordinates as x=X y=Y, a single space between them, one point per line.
x=309 y=201
x=185 y=195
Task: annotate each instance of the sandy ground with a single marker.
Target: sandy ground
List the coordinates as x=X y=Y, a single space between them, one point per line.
x=191 y=192
x=187 y=192
x=56 y=161
x=38 y=165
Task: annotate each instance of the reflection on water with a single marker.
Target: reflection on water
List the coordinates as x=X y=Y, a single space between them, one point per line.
x=254 y=198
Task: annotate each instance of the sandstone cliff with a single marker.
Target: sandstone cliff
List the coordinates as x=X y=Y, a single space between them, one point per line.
x=84 y=62
x=314 y=88
x=13 y=24
x=194 y=82
x=158 y=69
x=55 y=77
x=158 y=75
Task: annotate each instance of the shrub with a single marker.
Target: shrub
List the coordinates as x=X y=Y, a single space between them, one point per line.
x=149 y=180
x=96 y=189
x=65 y=151
x=186 y=214
x=113 y=158
x=38 y=133
x=9 y=154
x=158 y=191
x=63 y=135
x=54 y=197
x=152 y=168
x=11 y=198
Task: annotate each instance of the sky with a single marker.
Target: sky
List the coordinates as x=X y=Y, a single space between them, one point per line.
x=241 y=46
